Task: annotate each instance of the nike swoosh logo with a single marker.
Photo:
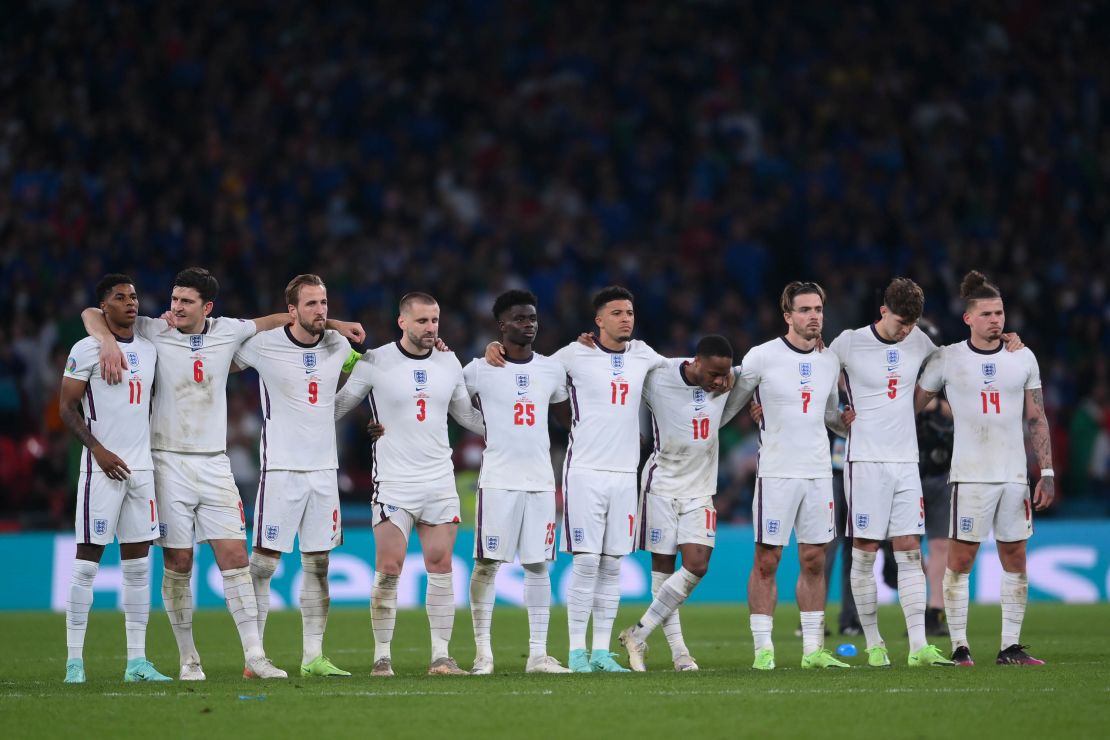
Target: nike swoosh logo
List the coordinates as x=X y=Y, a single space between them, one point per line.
x=309 y=372
x=698 y=408
x=421 y=388
x=153 y=527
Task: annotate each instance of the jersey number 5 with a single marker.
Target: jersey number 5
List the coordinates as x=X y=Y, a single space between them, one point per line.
x=524 y=414
x=892 y=387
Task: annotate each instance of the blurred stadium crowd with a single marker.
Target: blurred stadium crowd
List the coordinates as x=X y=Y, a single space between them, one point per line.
x=700 y=153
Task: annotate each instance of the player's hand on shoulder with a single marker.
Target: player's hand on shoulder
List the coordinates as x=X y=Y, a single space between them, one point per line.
x=848 y=416
x=495 y=354
x=820 y=344
x=112 y=363
x=376 y=430
x=587 y=339
x=170 y=319
x=352 y=330
x=441 y=346
x=1045 y=492
x=112 y=464
x=1013 y=341
x=755 y=411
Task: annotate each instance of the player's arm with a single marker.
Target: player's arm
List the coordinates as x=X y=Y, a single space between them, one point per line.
x=561 y=413
x=356 y=388
x=70 y=410
x=922 y=398
x=112 y=362
x=1037 y=423
x=930 y=382
x=837 y=422
x=736 y=398
x=462 y=410
x=348 y=367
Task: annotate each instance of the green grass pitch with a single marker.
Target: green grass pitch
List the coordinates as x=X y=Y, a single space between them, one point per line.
x=1069 y=697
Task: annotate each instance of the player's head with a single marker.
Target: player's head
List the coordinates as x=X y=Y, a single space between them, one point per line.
x=307 y=299
x=613 y=313
x=903 y=302
x=194 y=291
x=517 y=320
x=118 y=299
x=712 y=363
x=419 y=319
x=803 y=308
x=983 y=310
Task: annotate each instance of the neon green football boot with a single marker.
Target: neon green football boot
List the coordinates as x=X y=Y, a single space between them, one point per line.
x=877 y=657
x=822 y=659
x=928 y=656
x=321 y=666
x=764 y=659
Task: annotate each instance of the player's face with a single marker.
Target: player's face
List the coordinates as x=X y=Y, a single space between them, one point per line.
x=519 y=324
x=420 y=322
x=986 y=318
x=311 y=311
x=122 y=305
x=808 y=317
x=711 y=373
x=616 y=320
x=893 y=327
x=188 y=308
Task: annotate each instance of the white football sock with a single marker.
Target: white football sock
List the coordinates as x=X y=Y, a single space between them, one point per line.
x=813 y=631
x=580 y=599
x=177 y=597
x=761 y=625
x=78 y=605
x=135 y=602
x=1015 y=594
x=668 y=597
x=537 y=599
x=865 y=592
x=241 y=602
x=262 y=570
x=439 y=602
x=383 y=613
x=483 y=592
x=607 y=597
x=911 y=594
x=956 y=594
x=315 y=601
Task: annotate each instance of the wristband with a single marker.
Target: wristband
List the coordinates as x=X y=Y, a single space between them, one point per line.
x=1048 y=473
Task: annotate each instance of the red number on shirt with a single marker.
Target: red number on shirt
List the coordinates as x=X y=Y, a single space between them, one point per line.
x=313 y=392
x=711 y=520
x=421 y=409
x=701 y=428
x=550 y=539
x=524 y=414
x=198 y=371
x=991 y=398
x=806 y=395
x=136 y=388
x=621 y=390
x=892 y=387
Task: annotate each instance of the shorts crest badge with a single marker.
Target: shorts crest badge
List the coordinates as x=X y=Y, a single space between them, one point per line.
x=862 y=520
x=420 y=376
x=272 y=532
x=310 y=360
x=772 y=526
x=100 y=526
x=492 y=542
x=522 y=381
x=163 y=529
x=196 y=341
x=579 y=536
x=656 y=536
x=805 y=370
x=966 y=524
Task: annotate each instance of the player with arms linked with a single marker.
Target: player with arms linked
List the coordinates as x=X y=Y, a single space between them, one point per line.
x=991 y=393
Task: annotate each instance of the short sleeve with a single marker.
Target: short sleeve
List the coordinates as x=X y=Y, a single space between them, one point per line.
x=842 y=346
x=470 y=376
x=932 y=377
x=147 y=327
x=1033 y=381
x=565 y=356
x=244 y=329
x=247 y=354
x=82 y=362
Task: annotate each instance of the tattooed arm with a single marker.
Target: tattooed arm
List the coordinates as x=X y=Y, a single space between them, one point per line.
x=1037 y=423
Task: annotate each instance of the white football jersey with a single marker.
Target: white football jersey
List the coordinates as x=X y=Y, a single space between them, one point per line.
x=796 y=388
x=880 y=377
x=297 y=384
x=685 y=420
x=605 y=393
x=514 y=401
x=411 y=396
x=117 y=415
x=190 y=400
x=987 y=393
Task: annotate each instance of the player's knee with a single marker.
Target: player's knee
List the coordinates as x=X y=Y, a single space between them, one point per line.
x=812 y=560
x=767 y=563
x=178 y=560
x=697 y=567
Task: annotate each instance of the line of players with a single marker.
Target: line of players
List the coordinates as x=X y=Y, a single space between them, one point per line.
x=309 y=376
